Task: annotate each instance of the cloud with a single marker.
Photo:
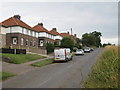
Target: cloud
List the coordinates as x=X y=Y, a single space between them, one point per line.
x=110 y=40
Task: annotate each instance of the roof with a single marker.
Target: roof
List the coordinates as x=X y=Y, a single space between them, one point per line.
x=54 y=32
x=39 y=28
x=3 y=25
x=15 y=22
x=52 y=40
x=65 y=34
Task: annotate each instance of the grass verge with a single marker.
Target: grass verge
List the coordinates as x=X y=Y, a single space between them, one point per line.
x=105 y=71
x=43 y=63
x=5 y=75
x=22 y=58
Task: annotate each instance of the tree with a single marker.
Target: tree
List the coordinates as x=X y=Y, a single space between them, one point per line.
x=50 y=48
x=67 y=42
x=92 y=39
x=106 y=44
x=77 y=44
x=56 y=44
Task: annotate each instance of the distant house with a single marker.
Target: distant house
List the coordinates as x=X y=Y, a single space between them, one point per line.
x=74 y=37
x=57 y=36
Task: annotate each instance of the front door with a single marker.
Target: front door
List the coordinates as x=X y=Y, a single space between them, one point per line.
x=41 y=43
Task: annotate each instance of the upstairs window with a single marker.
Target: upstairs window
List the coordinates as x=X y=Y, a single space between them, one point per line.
x=14 y=40
x=31 y=33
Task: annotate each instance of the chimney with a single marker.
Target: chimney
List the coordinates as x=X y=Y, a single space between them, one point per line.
x=17 y=17
x=75 y=35
x=54 y=29
x=41 y=24
x=68 y=32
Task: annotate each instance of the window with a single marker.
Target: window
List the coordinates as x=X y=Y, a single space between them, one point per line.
x=14 y=40
x=27 y=31
x=31 y=33
x=22 y=41
x=34 y=44
x=26 y=42
x=35 y=34
x=30 y=43
x=22 y=30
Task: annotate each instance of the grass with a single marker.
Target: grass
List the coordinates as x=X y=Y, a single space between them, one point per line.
x=43 y=63
x=22 y=58
x=105 y=71
x=5 y=75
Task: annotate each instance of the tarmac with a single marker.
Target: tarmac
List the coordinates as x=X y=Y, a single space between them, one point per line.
x=20 y=68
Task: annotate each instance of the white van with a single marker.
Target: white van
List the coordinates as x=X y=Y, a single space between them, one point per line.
x=62 y=54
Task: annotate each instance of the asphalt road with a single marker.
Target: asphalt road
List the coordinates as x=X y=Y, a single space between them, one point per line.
x=59 y=75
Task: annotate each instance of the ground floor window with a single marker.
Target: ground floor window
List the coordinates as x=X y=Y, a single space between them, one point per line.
x=30 y=43
x=22 y=41
x=14 y=40
x=34 y=44
x=26 y=42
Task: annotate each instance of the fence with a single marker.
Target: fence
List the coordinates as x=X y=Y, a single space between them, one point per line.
x=13 y=51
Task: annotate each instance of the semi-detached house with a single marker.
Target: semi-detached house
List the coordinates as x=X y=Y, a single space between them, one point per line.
x=17 y=34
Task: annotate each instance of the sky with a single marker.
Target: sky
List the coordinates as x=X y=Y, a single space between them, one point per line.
x=82 y=17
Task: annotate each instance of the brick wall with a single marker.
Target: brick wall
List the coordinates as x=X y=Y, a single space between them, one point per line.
x=2 y=40
x=29 y=48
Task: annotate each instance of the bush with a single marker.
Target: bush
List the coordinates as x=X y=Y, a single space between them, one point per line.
x=50 y=48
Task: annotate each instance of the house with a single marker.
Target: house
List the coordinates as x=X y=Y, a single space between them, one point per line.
x=74 y=37
x=20 y=35
x=44 y=36
x=57 y=35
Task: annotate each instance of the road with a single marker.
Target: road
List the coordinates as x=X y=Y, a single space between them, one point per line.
x=59 y=75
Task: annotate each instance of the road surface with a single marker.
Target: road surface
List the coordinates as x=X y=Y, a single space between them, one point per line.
x=59 y=75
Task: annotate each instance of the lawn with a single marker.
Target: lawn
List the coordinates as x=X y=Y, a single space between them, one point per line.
x=22 y=58
x=105 y=71
x=5 y=75
x=43 y=63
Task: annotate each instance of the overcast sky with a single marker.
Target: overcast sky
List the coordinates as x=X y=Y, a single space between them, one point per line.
x=82 y=17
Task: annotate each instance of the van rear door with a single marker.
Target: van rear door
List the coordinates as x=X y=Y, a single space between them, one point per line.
x=60 y=54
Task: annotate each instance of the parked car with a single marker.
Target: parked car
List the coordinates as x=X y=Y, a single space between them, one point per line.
x=79 y=52
x=91 y=49
x=87 y=49
x=62 y=54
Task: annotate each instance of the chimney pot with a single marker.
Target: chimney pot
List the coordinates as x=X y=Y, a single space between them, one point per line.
x=41 y=24
x=54 y=29
x=17 y=17
x=75 y=35
x=68 y=32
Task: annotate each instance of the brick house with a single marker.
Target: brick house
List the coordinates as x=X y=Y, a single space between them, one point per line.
x=57 y=36
x=44 y=36
x=20 y=35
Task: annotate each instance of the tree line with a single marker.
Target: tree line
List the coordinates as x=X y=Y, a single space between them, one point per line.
x=87 y=40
